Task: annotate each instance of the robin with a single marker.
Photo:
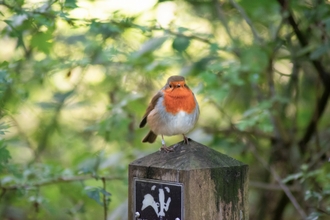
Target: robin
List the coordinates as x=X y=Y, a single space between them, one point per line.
x=173 y=110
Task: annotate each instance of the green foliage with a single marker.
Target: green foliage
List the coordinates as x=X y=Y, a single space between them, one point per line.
x=4 y=156
x=95 y=194
x=180 y=44
x=70 y=4
x=76 y=77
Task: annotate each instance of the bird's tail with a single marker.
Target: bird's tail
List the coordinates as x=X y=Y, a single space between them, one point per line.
x=150 y=137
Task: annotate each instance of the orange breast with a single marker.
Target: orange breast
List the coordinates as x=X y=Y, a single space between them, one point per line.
x=179 y=99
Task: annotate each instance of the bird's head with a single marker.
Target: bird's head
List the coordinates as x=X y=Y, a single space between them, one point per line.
x=176 y=83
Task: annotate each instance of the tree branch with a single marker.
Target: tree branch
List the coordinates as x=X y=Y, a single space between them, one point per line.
x=304 y=43
x=221 y=16
x=231 y=130
x=105 y=209
x=256 y=37
x=280 y=131
x=247 y=139
x=193 y=37
x=284 y=187
x=55 y=181
x=159 y=28
x=274 y=187
x=318 y=112
x=324 y=76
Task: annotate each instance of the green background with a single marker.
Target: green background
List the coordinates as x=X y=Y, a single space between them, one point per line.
x=76 y=77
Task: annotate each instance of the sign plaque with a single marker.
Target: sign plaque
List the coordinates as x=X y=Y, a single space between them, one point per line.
x=158 y=200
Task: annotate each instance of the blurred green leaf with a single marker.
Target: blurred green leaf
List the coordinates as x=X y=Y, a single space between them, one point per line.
x=150 y=46
x=95 y=194
x=47 y=105
x=42 y=41
x=106 y=29
x=180 y=44
x=254 y=59
x=315 y=215
x=3 y=128
x=320 y=51
x=313 y=195
x=4 y=155
x=291 y=177
x=70 y=4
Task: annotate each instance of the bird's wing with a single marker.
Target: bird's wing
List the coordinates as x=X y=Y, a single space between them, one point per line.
x=151 y=106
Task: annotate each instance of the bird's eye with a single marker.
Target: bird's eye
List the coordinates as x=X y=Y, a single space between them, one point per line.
x=170 y=86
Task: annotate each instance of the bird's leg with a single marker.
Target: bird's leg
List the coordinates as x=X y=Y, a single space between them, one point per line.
x=185 y=139
x=163 y=142
x=164 y=148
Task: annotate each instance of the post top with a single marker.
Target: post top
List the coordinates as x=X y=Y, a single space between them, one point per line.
x=187 y=157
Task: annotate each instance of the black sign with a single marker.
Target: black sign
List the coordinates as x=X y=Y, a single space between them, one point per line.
x=157 y=200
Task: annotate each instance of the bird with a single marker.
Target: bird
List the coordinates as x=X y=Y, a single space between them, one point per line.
x=172 y=111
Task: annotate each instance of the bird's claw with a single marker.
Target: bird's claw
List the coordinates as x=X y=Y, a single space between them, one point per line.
x=166 y=149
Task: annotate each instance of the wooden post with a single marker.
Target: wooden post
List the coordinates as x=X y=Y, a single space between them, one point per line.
x=194 y=182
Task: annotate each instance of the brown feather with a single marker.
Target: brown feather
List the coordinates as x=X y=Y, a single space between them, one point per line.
x=151 y=106
x=175 y=79
x=150 y=137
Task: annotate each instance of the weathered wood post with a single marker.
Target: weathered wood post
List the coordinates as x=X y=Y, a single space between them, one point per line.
x=192 y=183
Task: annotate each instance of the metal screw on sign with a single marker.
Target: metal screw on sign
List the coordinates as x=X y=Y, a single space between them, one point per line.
x=137 y=214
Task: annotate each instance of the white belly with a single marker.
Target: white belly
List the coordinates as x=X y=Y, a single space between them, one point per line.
x=168 y=124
